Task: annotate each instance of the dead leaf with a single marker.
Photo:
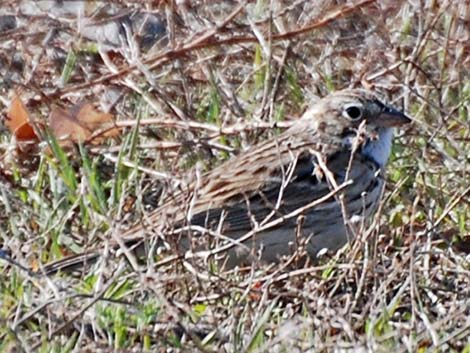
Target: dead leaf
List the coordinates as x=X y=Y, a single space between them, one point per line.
x=18 y=121
x=81 y=123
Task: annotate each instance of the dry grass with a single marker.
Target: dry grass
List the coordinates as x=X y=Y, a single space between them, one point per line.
x=217 y=84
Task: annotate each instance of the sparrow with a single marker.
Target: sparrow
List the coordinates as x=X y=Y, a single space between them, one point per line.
x=314 y=185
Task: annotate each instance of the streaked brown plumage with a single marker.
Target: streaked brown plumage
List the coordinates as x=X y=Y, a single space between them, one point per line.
x=257 y=196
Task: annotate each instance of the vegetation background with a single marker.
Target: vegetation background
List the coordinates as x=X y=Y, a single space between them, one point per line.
x=202 y=82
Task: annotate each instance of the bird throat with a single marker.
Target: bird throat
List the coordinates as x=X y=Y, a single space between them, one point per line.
x=376 y=147
x=379 y=148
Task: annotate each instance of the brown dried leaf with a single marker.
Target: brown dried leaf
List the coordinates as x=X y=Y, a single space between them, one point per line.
x=81 y=123
x=18 y=121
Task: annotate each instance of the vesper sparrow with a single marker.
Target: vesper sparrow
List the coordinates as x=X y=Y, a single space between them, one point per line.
x=316 y=182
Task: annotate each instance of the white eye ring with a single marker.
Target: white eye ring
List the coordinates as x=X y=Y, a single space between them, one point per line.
x=353 y=111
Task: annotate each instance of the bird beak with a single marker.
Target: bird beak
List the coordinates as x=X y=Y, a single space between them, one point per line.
x=391 y=117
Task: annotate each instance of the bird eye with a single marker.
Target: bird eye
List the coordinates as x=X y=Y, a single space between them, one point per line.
x=352 y=112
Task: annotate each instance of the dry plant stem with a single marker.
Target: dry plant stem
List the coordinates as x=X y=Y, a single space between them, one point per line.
x=424 y=37
x=204 y=41
x=198 y=43
x=440 y=324
x=152 y=172
x=452 y=204
x=276 y=82
x=92 y=302
x=275 y=278
x=133 y=86
x=218 y=131
x=286 y=178
x=362 y=279
x=267 y=49
x=176 y=310
x=31 y=314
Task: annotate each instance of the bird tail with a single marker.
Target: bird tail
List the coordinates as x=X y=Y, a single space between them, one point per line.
x=71 y=263
x=135 y=244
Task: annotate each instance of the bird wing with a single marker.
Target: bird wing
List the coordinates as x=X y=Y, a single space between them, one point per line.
x=282 y=194
x=246 y=188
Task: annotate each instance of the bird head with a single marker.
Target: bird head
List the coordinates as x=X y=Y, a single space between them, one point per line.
x=354 y=107
x=359 y=116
